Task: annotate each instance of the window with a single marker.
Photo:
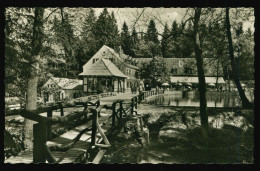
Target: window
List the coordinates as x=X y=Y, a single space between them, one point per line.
x=75 y=95
x=188 y=70
x=180 y=64
x=85 y=84
x=95 y=60
x=174 y=70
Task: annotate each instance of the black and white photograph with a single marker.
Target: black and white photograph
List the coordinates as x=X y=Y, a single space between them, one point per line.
x=157 y=85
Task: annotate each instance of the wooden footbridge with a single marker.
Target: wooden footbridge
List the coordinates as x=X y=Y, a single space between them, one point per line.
x=86 y=143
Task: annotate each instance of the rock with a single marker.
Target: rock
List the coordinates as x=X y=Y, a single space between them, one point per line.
x=169 y=134
x=172 y=131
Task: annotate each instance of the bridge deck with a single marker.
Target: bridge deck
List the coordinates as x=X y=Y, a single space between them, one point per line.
x=72 y=155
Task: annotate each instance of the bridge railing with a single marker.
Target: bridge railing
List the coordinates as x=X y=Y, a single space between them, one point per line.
x=137 y=99
x=42 y=131
x=121 y=108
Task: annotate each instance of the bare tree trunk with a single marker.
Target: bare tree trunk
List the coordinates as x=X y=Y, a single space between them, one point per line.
x=33 y=78
x=201 y=75
x=245 y=101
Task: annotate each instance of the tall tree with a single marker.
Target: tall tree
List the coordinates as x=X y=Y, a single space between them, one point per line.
x=125 y=40
x=245 y=101
x=88 y=43
x=201 y=75
x=65 y=37
x=174 y=42
x=155 y=72
x=37 y=38
x=133 y=43
x=246 y=55
x=106 y=31
x=151 y=39
x=18 y=36
x=115 y=38
x=186 y=45
x=166 y=42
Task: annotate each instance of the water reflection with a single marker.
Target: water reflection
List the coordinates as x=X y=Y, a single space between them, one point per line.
x=214 y=99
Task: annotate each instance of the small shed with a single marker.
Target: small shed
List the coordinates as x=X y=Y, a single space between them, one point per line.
x=60 y=88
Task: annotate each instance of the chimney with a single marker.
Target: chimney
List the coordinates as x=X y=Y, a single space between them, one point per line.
x=120 y=51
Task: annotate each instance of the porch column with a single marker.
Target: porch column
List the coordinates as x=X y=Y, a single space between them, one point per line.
x=118 y=85
x=124 y=86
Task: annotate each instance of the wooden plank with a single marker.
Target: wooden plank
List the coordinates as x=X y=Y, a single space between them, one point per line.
x=99 y=156
x=23 y=157
x=72 y=154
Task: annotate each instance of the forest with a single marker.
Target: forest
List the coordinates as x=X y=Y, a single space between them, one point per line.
x=71 y=36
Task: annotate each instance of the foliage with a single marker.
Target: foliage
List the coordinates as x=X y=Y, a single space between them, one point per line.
x=151 y=40
x=125 y=40
x=156 y=71
x=106 y=31
x=166 y=42
x=18 y=35
x=13 y=132
x=64 y=35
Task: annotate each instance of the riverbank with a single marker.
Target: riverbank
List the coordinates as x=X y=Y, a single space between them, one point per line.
x=175 y=138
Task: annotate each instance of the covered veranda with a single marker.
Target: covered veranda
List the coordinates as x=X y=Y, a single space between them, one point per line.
x=101 y=77
x=194 y=81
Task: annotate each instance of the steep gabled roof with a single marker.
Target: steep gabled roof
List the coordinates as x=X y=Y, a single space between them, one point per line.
x=121 y=58
x=103 y=67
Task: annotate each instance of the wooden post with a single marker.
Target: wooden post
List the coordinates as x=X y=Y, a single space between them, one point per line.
x=40 y=138
x=121 y=109
x=136 y=102
x=118 y=85
x=98 y=104
x=132 y=106
x=49 y=126
x=124 y=86
x=113 y=113
x=94 y=128
x=61 y=109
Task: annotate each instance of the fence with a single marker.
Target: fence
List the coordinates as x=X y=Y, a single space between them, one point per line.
x=129 y=109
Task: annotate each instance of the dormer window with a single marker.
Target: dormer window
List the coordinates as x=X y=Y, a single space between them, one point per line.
x=95 y=60
x=174 y=70
x=180 y=64
x=188 y=70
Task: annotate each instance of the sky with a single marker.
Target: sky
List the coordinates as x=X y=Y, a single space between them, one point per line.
x=130 y=15
x=164 y=15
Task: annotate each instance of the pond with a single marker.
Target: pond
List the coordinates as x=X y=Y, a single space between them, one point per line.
x=191 y=98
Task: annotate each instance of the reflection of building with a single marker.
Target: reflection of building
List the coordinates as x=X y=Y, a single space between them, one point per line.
x=184 y=70
x=61 y=88
x=108 y=71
